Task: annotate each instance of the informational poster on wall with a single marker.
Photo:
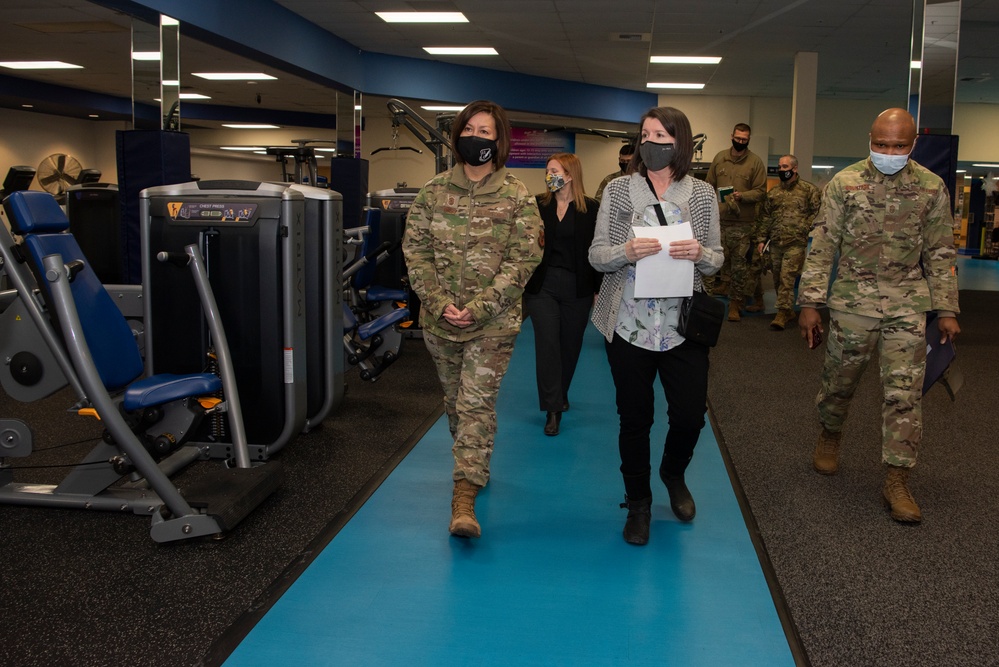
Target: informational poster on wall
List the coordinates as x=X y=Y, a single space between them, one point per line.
x=531 y=148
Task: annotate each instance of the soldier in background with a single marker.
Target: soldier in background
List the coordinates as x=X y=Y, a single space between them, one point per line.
x=785 y=220
x=472 y=241
x=890 y=222
x=740 y=178
x=623 y=160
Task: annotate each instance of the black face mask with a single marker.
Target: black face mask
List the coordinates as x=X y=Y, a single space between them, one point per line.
x=476 y=151
x=656 y=156
x=786 y=176
x=624 y=165
x=739 y=146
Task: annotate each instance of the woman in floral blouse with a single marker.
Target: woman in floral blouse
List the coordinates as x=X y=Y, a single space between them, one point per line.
x=642 y=340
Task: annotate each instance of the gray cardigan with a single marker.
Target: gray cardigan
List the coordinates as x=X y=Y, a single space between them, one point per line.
x=623 y=200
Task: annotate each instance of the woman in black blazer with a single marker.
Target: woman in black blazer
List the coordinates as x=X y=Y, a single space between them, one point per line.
x=560 y=294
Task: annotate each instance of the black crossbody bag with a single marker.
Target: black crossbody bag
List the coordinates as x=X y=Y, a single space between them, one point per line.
x=701 y=315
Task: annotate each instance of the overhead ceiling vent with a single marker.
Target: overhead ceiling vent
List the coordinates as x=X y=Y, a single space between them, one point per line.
x=631 y=37
x=75 y=27
x=837 y=90
x=432 y=6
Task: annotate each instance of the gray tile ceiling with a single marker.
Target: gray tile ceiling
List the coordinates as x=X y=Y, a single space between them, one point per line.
x=863 y=46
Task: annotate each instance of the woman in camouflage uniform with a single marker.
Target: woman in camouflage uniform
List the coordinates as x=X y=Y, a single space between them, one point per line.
x=471 y=244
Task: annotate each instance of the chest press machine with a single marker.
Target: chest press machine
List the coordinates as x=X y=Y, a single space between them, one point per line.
x=60 y=326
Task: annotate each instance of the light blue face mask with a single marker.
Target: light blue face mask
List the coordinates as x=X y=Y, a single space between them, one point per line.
x=889 y=164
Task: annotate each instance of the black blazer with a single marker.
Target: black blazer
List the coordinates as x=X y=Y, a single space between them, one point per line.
x=587 y=278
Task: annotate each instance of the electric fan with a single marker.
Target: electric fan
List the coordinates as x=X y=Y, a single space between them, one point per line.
x=57 y=172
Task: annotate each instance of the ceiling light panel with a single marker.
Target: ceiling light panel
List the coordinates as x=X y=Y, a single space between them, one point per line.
x=461 y=50
x=686 y=60
x=678 y=86
x=38 y=64
x=234 y=76
x=422 y=17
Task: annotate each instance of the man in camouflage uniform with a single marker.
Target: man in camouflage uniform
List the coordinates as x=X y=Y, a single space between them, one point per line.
x=623 y=160
x=741 y=169
x=785 y=220
x=472 y=242
x=890 y=222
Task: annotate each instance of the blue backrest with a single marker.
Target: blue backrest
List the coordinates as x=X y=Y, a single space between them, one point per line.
x=38 y=218
x=366 y=274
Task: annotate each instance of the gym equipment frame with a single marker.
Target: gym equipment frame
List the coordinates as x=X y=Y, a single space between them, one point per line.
x=60 y=326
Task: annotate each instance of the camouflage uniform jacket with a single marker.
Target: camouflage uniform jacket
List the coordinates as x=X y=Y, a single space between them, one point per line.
x=603 y=184
x=748 y=175
x=474 y=245
x=894 y=240
x=787 y=213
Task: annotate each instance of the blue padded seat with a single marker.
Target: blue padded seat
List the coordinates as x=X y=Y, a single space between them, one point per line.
x=167 y=387
x=369 y=329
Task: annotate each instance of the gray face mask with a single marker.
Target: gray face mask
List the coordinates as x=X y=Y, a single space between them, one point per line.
x=657 y=156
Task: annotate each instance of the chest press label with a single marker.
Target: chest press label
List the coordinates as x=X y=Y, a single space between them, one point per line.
x=211 y=211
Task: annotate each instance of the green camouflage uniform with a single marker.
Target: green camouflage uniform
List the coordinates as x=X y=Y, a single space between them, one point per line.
x=785 y=219
x=603 y=184
x=748 y=175
x=474 y=245
x=893 y=238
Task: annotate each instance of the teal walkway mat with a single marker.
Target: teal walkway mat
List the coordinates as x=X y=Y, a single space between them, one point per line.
x=551 y=582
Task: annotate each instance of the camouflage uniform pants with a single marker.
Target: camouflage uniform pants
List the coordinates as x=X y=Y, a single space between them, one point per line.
x=470 y=373
x=787 y=264
x=901 y=345
x=736 y=238
x=754 y=276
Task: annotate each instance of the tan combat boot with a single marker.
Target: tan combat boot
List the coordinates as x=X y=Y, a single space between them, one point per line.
x=825 y=458
x=783 y=318
x=463 y=523
x=898 y=497
x=734 y=306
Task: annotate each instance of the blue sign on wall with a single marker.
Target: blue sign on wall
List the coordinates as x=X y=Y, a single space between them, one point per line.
x=531 y=148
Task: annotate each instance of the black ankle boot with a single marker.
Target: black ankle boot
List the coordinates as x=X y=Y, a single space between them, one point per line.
x=636 y=528
x=552 y=422
x=680 y=500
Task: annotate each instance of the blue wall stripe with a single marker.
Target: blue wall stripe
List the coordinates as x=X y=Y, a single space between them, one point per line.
x=430 y=80
x=268 y=33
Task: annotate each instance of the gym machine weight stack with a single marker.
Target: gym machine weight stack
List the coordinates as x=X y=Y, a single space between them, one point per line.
x=253 y=238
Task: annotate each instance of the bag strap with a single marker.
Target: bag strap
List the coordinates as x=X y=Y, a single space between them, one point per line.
x=656 y=206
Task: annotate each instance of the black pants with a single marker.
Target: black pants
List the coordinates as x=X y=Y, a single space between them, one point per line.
x=683 y=372
x=559 y=318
